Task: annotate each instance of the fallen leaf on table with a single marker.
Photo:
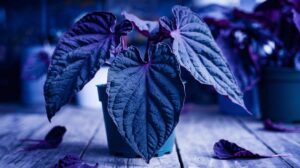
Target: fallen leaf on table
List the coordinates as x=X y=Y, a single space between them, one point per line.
x=51 y=140
x=72 y=161
x=227 y=150
x=271 y=126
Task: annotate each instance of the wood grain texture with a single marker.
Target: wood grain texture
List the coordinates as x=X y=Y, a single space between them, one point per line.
x=279 y=142
x=17 y=123
x=200 y=128
x=81 y=125
x=98 y=152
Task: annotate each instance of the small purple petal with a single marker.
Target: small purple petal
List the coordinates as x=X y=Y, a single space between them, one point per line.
x=72 y=161
x=270 y=126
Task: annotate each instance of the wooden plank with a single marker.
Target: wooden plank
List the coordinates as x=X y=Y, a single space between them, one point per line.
x=81 y=125
x=200 y=128
x=98 y=152
x=280 y=143
x=15 y=126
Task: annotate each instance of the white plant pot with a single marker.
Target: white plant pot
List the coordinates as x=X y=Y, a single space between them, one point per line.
x=88 y=96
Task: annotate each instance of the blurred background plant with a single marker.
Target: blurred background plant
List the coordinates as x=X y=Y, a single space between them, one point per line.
x=263 y=50
x=266 y=37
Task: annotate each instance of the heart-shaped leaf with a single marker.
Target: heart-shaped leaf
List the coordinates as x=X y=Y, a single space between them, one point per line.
x=147 y=28
x=145 y=97
x=196 y=50
x=78 y=56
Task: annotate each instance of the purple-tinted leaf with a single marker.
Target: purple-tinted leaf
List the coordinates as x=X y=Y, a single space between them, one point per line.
x=222 y=23
x=227 y=150
x=296 y=18
x=196 y=50
x=279 y=16
x=72 y=161
x=269 y=5
x=78 y=56
x=239 y=15
x=267 y=43
x=295 y=4
x=52 y=140
x=269 y=125
x=216 y=11
x=145 y=97
x=36 y=66
x=224 y=149
x=147 y=28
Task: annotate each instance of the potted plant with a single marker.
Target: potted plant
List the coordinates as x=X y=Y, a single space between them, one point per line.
x=280 y=79
x=144 y=94
x=258 y=47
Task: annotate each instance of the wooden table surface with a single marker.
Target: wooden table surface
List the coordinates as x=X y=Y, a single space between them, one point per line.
x=199 y=128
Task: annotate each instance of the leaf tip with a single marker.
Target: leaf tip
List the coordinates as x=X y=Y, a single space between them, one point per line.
x=49 y=116
x=248 y=111
x=242 y=104
x=147 y=159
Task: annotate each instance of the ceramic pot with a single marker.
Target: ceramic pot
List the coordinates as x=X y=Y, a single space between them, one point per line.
x=280 y=94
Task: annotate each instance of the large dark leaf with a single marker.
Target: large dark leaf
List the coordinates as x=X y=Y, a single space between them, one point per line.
x=78 y=56
x=196 y=50
x=145 y=97
x=147 y=28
